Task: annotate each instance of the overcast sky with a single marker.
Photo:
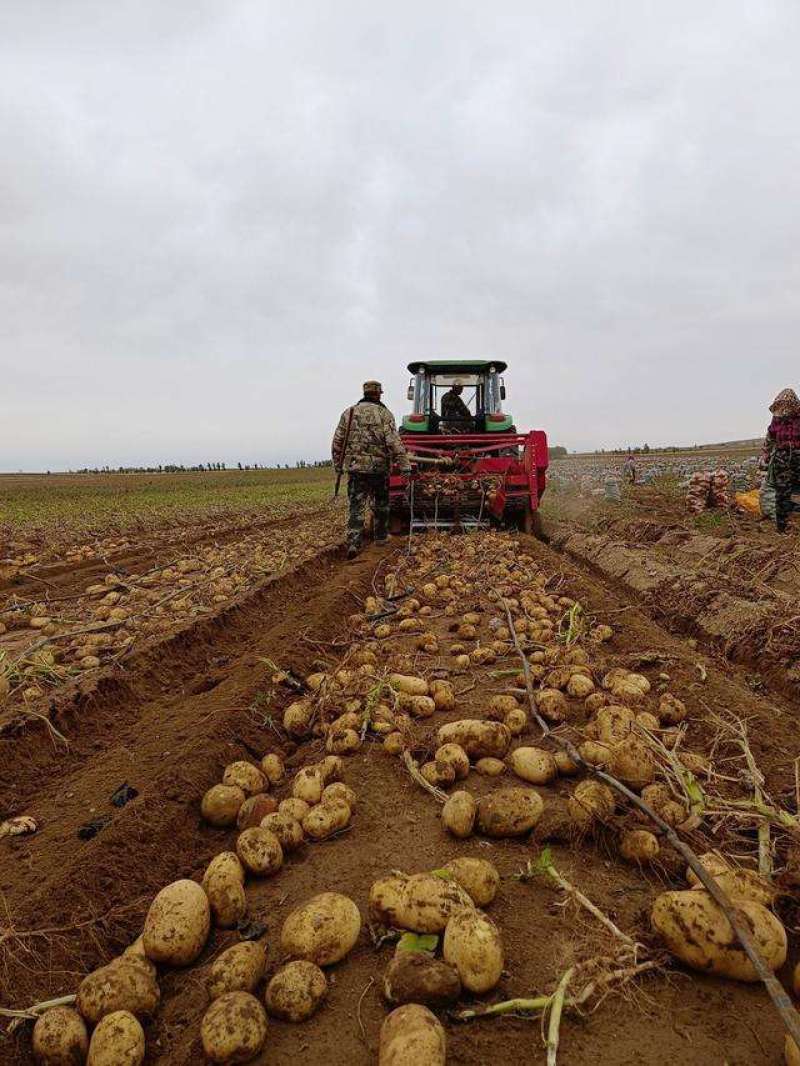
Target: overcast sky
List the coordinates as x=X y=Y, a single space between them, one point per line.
x=218 y=218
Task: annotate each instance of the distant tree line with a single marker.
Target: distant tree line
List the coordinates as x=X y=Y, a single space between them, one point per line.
x=198 y=468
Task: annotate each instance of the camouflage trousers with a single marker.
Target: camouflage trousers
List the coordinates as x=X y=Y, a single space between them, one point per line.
x=361 y=489
x=785 y=476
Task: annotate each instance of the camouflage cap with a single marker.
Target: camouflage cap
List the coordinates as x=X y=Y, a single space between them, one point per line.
x=372 y=386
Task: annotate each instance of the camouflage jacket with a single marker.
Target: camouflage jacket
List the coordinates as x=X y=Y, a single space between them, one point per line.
x=455 y=410
x=373 y=445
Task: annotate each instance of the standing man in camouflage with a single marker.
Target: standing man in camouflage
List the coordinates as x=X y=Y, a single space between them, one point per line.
x=782 y=454
x=367 y=445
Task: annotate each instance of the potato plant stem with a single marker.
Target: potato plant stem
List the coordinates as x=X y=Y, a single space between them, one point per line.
x=556 y=1007
x=775 y=990
x=31 y=1013
x=587 y=905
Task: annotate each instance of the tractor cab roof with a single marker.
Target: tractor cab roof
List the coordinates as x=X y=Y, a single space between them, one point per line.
x=457 y=366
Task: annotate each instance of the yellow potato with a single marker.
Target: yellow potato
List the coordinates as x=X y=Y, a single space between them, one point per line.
x=121 y=985
x=220 y=805
x=516 y=721
x=272 y=768
x=60 y=1038
x=226 y=864
x=476 y=737
x=324 y=820
x=552 y=704
x=478 y=877
x=246 y=777
x=287 y=829
x=239 y=969
x=308 y=785
x=296 y=991
x=260 y=851
x=412 y=686
x=298 y=718
x=791 y=1052
x=412 y=1036
x=533 y=765
x=473 y=946
x=177 y=924
x=234 y=1028
x=638 y=845
x=323 y=930
x=294 y=808
x=416 y=977
x=671 y=710
x=632 y=763
x=118 y=1040
x=591 y=801
x=565 y=765
x=509 y=812
x=421 y=903
x=697 y=932
x=254 y=809
x=338 y=792
x=458 y=814
x=490 y=767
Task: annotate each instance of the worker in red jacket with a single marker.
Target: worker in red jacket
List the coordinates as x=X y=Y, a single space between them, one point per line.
x=782 y=454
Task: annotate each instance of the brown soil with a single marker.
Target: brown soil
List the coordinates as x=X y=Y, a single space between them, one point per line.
x=184 y=708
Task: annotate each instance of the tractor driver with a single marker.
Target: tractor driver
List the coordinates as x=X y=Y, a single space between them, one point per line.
x=367 y=445
x=456 y=416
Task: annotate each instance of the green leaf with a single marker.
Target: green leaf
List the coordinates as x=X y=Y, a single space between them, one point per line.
x=427 y=942
x=445 y=875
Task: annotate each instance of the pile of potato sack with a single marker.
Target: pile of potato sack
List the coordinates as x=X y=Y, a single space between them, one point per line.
x=441 y=621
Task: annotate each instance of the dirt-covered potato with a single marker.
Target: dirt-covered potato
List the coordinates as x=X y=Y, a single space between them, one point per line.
x=412 y=1036
x=287 y=829
x=580 y=686
x=239 y=969
x=594 y=752
x=590 y=802
x=324 y=820
x=60 y=1038
x=565 y=765
x=439 y=774
x=509 y=812
x=121 y=985
x=455 y=756
x=177 y=924
x=338 y=792
x=272 y=768
x=458 y=814
x=421 y=903
x=296 y=991
x=632 y=763
x=500 y=705
x=478 y=877
x=473 y=946
x=245 y=776
x=221 y=805
x=234 y=1028
x=260 y=851
x=416 y=977
x=639 y=845
x=298 y=718
x=411 y=686
x=443 y=695
x=118 y=1040
x=323 y=930
x=516 y=721
x=534 y=765
x=254 y=809
x=295 y=808
x=308 y=785
x=394 y=743
x=552 y=704
x=342 y=741
x=671 y=710
x=490 y=767
x=791 y=1052
x=226 y=864
x=479 y=739
x=614 y=723
x=697 y=932
x=740 y=884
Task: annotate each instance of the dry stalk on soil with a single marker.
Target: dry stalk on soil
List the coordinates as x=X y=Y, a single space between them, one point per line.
x=780 y=1000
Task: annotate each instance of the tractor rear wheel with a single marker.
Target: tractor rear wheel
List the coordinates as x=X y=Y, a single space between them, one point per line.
x=532 y=522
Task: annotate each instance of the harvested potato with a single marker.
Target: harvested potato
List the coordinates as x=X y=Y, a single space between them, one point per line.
x=564 y=764
x=239 y=969
x=177 y=924
x=438 y=773
x=296 y=991
x=394 y=743
x=421 y=903
x=294 y=808
x=638 y=845
x=671 y=710
x=221 y=804
x=60 y=1038
x=500 y=705
x=455 y=756
x=614 y=723
x=473 y=946
x=632 y=763
x=490 y=767
x=534 y=765
x=478 y=877
x=226 y=864
x=260 y=851
x=323 y=930
x=411 y=686
x=590 y=802
x=331 y=768
x=743 y=884
x=412 y=1036
x=697 y=932
x=298 y=718
x=342 y=741
x=594 y=752
x=324 y=820
x=339 y=792
x=234 y=1028
x=287 y=829
x=552 y=704
x=458 y=814
x=791 y=1052
x=272 y=768
x=416 y=977
x=509 y=812
x=580 y=686
x=254 y=809
x=118 y=1040
x=712 y=862
x=308 y=785
x=443 y=695
x=121 y=985
x=478 y=738
x=246 y=777
x=516 y=721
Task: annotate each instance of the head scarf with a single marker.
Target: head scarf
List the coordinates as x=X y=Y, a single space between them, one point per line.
x=786 y=404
